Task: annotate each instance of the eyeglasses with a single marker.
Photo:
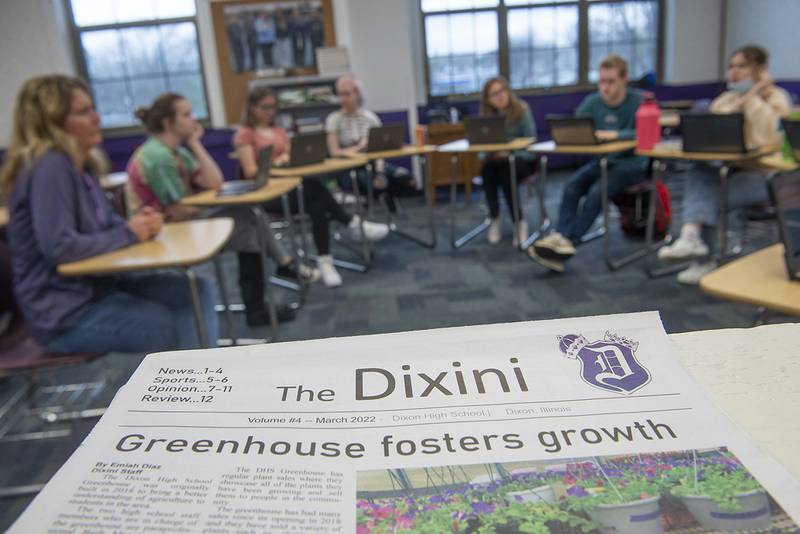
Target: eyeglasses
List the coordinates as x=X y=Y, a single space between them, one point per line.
x=267 y=107
x=495 y=94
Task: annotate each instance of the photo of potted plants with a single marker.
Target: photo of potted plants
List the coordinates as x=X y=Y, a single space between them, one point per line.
x=696 y=491
x=722 y=495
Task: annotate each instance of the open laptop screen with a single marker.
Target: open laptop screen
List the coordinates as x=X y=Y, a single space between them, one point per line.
x=785 y=192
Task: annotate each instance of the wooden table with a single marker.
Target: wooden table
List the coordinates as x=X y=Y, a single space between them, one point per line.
x=253 y=201
x=419 y=151
x=759 y=279
x=457 y=148
x=178 y=246
x=775 y=162
x=601 y=151
x=3 y=216
x=666 y=151
x=334 y=165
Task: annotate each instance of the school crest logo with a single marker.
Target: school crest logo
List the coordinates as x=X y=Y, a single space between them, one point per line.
x=609 y=364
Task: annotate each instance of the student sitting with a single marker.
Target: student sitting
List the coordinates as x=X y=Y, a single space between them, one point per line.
x=752 y=92
x=498 y=99
x=258 y=132
x=613 y=109
x=348 y=133
x=161 y=172
x=59 y=214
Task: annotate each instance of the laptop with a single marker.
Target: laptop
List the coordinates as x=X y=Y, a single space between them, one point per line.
x=784 y=188
x=308 y=149
x=572 y=130
x=792 y=129
x=486 y=130
x=713 y=132
x=240 y=187
x=386 y=137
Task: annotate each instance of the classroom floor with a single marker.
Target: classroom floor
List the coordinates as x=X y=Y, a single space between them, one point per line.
x=409 y=288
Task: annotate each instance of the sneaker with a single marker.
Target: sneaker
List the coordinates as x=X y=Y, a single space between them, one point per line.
x=554 y=247
x=372 y=231
x=298 y=271
x=683 y=248
x=493 y=234
x=557 y=266
x=521 y=233
x=697 y=270
x=258 y=315
x=330 y=276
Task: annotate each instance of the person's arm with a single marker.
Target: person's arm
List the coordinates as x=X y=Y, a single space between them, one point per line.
x=527 y=126
x=209 y=175
x=53 y=197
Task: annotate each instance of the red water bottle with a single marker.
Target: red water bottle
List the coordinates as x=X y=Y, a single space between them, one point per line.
x=648 y=127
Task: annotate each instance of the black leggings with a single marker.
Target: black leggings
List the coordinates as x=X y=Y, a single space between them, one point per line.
x=320 y=206
x=495 y=172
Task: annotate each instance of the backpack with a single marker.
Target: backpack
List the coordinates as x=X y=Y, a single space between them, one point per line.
x=634 y=204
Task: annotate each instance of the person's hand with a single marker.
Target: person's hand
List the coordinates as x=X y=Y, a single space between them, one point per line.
x=361 y=146
x=606 y=135
x=197 y=133
x=140 y=225
x=155 y=220
x=283 y=159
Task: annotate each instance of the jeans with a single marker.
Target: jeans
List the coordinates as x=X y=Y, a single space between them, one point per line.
x=575 y=219
x=701 y=197
x=142 y=313
x=496 y=173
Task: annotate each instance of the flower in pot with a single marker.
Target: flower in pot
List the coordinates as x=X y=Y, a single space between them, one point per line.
x=629 y=505
x=724 y=497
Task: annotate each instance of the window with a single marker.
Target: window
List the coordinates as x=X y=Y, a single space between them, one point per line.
x=535 y=43
x=132 y=51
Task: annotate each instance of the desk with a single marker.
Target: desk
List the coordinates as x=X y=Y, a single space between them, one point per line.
x=759 y=279
x=603 y=151
x=751 y=374
x=775 y=162
x=457 y=148
x=178 y=246
x=659 y=153
x=332 y=165
x=419 y=151
x=3 y=216
x=252 y=201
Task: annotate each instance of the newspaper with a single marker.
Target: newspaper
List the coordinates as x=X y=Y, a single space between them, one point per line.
x=550 y=425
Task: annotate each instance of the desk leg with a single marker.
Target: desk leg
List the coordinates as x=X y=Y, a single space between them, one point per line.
x=544 y=220
x=512 y=172
x=723 y=214
x=197 y=307
x=371 y=172
x=394 y=228
x=659 y=169
x=263 y=219
x=287 y=215
x=642 y=252
x=457 y=243
x=366 y=252
x=223 y=292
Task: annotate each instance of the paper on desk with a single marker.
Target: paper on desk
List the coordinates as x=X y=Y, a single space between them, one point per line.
x=398 y=431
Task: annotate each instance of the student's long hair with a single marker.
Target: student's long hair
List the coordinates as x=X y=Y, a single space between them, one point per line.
x=253 y=98
x=516 y=107
x=37 y=127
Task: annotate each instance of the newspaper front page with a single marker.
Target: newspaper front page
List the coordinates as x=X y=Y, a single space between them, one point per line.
x=575 y=425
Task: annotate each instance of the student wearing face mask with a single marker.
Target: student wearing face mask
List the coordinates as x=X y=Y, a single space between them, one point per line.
x=751 y=91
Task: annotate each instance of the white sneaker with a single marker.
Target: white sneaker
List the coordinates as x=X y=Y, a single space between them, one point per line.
x=372 y=231
x=554 y=247
x=330 y=276
x=493 y=233
x=696 y=271
x=521 y=233
x=557 y=266
x=683 y=248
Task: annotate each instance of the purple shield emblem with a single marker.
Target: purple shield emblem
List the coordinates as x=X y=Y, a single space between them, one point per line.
x=609 y=364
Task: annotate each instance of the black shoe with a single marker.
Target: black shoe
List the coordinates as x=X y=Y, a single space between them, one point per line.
x=297 y=272
x=259 y=315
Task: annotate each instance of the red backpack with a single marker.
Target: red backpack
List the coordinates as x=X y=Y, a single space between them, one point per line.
x=634 y=205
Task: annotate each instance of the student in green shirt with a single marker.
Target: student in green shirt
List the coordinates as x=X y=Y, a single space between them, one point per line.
x=613 y=109
x=498 y=99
